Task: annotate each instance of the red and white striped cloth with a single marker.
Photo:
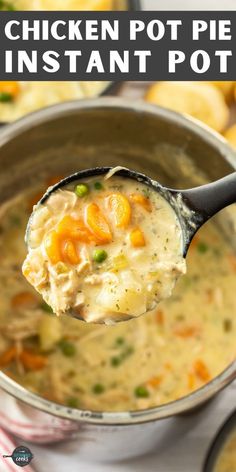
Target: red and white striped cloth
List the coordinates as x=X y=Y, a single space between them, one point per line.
x=7 y=446
x=28 y=424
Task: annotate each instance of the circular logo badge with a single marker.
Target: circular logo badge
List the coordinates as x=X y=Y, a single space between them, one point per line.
x=22 y=456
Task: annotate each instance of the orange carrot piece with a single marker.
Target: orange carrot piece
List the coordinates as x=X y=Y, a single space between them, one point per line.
x=201 y=370
x=54 y=179
x=159 y=317
x=232 y=261
x=97 y=223
x=141 y=200
x=52 y=247
x=186 y=331
x=69 y=252
x=155 y=381
x=24 y=300
x=191 y=381
x=32 y=361
x=34 y=200
x=137 y=238
x=8 y=356
x=120 y=208
x=12 y=88
x=194 y=242
x=71 y=228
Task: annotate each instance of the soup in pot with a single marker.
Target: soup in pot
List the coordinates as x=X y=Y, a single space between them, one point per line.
x=227 y=457
x=166 y=354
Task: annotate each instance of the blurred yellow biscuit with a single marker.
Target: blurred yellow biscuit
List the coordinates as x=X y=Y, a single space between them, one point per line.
x=230 y=135
x=200 y=100
x=91 y=89
x=227 y=88
x=63 y=4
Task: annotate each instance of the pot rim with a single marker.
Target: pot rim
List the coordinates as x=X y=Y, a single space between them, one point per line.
x=124 y=417
x=222 y=435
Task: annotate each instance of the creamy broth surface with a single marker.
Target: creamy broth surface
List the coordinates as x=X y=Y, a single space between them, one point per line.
x=227 y=457
x=109 y=254
x=146 y=362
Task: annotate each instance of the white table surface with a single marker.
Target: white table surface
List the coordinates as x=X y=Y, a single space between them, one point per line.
x=196 y=431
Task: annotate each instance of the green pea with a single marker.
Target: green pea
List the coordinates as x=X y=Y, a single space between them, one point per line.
x=98 y=389
x=228 y=325
x=15 y=220
x=141 y=392
x=72 y=402
x=67 y=348
x=99 y=255
x=116 y=361
x=81 y=190
x=6 y=6
x=120 y=341
x=6 y=97
x=98 y=186
x=127 y=352
x=202 y=247
x=45 y=307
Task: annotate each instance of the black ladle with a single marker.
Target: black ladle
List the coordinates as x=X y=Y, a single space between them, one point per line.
x=193 y=207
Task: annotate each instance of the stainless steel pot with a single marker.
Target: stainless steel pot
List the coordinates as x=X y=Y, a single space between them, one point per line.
x=110 y=131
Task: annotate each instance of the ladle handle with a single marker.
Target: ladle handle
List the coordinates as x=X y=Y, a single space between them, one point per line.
x=208 y=199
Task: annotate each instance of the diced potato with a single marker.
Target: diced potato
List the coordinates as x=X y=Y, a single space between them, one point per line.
x=119 y=262
x=126 y=298
x=50 y=332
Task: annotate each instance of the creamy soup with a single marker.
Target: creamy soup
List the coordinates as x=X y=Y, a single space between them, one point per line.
x=107 y=249
x=61 y=4
x=227 y=458
x=142 y=363
x=19 y=98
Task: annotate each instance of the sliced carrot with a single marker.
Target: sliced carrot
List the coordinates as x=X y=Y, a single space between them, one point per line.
x=72 y=228
x=8 y=356
x=232 y=261
x=52 y=247
x=137 y=238
x=154 y=381
x=186 y=331
x=69 y=252
x=53 y=180
x=194 y=242
x=34 y=200
x=12 y=88
x=97 y=223
x=191 y=381
x=201 y=370
x=24 y=300
x=141 y=200
x=32 y=361
x=120 y=208
x=159 y=317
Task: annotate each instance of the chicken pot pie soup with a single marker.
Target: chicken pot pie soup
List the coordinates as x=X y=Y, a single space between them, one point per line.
x=107 y=249
x=94 y=367
x=227 y=457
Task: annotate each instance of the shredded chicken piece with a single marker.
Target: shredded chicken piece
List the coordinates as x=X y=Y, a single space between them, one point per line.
x=92 y=335
x=20 y=328
x=59 y=387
